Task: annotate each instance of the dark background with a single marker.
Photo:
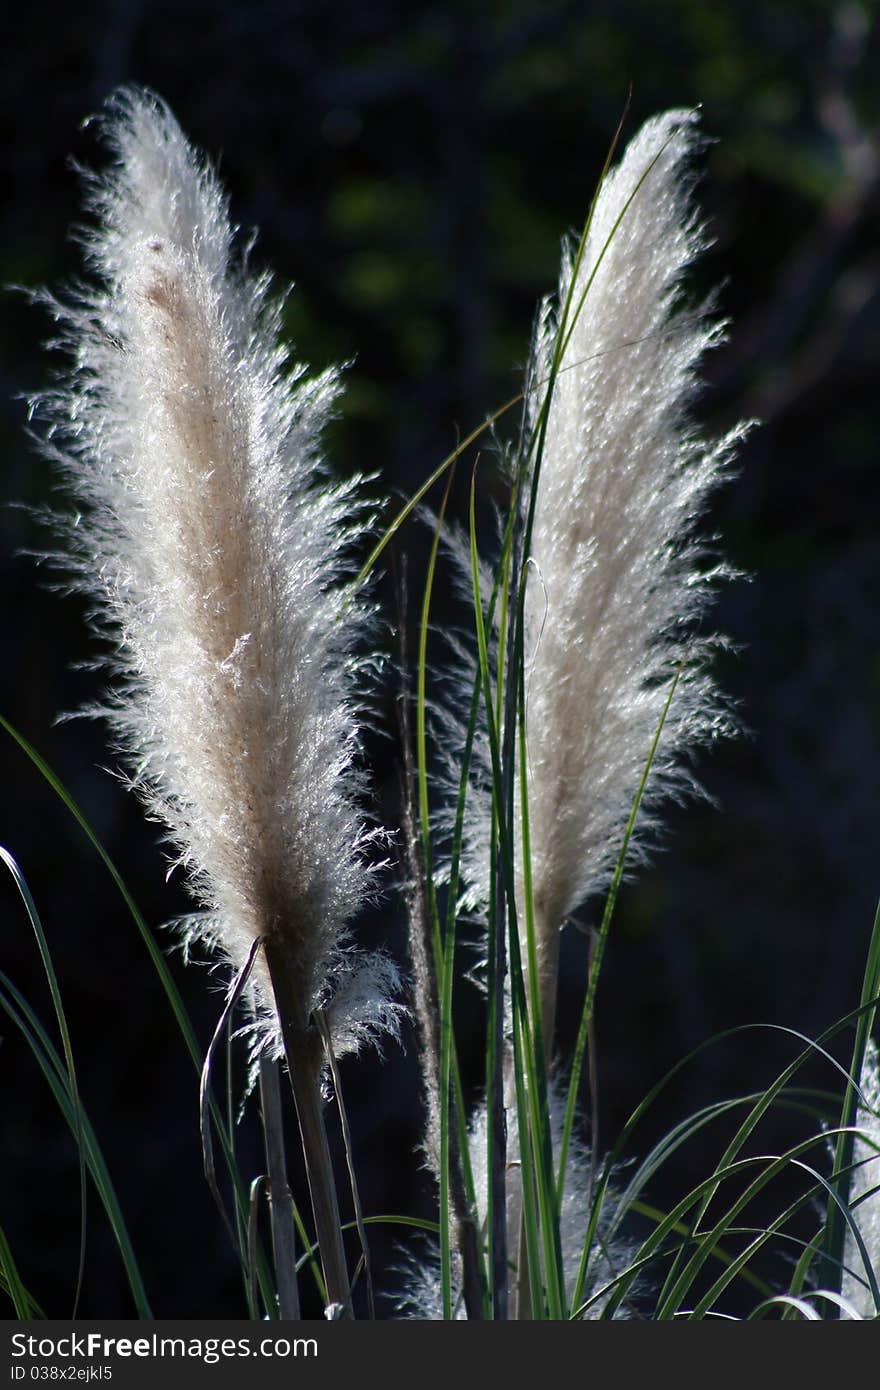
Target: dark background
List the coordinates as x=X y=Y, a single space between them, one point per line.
x=413 y=167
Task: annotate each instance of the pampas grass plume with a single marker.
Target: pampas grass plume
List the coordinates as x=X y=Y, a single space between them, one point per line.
x=214 y=555
x=865 y=1192
x=618 y=579
x=610 y=1255
x=618 y=583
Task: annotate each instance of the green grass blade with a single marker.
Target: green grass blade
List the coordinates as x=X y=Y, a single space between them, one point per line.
x=771 y=1095
x=527 y=1176
x=323 y=1028
x=835 y=1233
x=765 y=1100
x=687 y=1129
x=783 y=1300
x=61 y=1019
x=257 y=1187
x=487 y=1256
x=496 y=1144
x=166 y=979
x=604 y=929
x=444 y=951
x=416 y=1223
x=654 y=1246
x=26 y=1307
x=25 y=1020
x=419 y=496
x=761 y=1238
x=548 y=1199
x=244 y=1233
x=205 y=1095
x=669 y=1306
x=654 y=1214
x=531 y=1146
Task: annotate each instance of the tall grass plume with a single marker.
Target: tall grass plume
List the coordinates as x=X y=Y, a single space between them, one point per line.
x=214 y=550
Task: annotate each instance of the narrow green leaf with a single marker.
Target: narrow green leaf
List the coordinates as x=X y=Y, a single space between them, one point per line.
x=835 y=1233
x=61 y=1019
x=26 y=1307
x=25 y=1020
x=166 y=979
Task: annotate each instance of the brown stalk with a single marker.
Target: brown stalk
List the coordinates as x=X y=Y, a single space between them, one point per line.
x=302 y=1047
x=280 y=1199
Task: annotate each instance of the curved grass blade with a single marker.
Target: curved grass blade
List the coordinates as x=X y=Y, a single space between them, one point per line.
x=654 y=1214
x=687 y=1129
x=321 y=1022
x=653 y=1247
x=769 y=1096
x=442 y=949
x=26 y=1307
x=61 y=1019
x=423 y=491
x=599 y=951
x=629 y=1199
x=834 y=1227
x=166 y=979
x=761 y=1238
x=802 y=1305
x=233 y=997
x=25 y=1020
x=256 y=1188
x=784 y=1300
x=671 y=1302
x=765 y=1100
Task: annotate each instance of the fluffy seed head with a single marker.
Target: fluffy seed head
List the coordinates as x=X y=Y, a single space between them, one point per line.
x=865 y=1192
x=214 y=553
x=617 y=578
x=619 y=581
x=610 y=1256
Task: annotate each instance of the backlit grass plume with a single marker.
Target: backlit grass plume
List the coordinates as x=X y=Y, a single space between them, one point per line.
x=610 y=1254
x=865 y=1193
x=619 y=581
x=611 y=479
x=617 y=577
x=215 y=553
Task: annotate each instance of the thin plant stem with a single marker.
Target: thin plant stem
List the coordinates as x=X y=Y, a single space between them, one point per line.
x=600 y=942
x=497 y=973
x=280 y=1198
x=323 y=1029
x=835 y=1228
x=252 y=1227
x=205 y=1094
x=425 y=950
x=302 y=1047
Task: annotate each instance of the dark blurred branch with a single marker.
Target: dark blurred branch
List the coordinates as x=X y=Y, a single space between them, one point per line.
x=766 y=339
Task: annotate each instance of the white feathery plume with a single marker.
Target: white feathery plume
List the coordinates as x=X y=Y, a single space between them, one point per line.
x=618 y=581
x=618 y=584
x=214 y=554
x=865 y=1191
x=611 y=1254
